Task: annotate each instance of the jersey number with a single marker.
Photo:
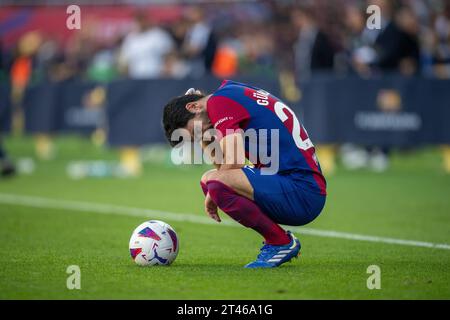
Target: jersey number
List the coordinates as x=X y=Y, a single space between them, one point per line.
x=283 y=112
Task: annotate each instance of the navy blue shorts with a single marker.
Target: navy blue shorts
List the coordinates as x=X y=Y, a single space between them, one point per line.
x=285 y=198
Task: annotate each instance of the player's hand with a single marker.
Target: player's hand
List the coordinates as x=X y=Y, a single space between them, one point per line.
x=211 y=208
x=192 y=91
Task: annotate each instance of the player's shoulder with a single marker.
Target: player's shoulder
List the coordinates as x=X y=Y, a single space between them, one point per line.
x=228 y=91
x=230 y=87
x=226 y=101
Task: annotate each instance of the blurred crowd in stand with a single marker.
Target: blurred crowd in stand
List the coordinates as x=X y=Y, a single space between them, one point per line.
x=247 y=38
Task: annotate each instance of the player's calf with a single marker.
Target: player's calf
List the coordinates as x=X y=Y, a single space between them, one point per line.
x=246 y=212
x=204 y=180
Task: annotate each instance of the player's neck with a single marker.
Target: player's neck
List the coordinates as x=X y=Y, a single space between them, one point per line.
x=204 y=101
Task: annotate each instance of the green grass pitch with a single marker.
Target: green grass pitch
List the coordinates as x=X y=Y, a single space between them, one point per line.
x=411 y=201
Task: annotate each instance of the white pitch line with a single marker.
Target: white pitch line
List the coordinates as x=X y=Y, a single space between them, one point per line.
x=39 y=202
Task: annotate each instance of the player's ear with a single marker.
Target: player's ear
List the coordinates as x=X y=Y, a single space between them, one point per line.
x=193 y=107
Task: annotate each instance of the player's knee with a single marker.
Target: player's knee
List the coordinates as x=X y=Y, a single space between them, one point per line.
x=207 y=175
x=220 y=176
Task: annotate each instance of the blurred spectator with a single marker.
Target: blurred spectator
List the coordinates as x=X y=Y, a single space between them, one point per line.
x=358 y=41
x=199 y=44
x=226 y=62
x=22 y=66
x=143 y=51
x=313 y=50
x=4 y=65
x=257 y=52
x=46 y=56
x=408 y=25
x=21 y=74
x=394 y=47
x=78 y=54
x=102 y=66
x=396 y=43
x=284 y=38
x=175 y=67
x=441 y=56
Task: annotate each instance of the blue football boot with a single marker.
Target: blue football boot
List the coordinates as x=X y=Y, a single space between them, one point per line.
x=274 y=256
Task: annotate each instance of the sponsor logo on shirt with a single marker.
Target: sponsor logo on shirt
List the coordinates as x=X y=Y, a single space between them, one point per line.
x=222 y=120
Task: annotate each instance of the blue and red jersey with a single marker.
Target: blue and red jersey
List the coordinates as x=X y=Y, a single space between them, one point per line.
x=236 y=106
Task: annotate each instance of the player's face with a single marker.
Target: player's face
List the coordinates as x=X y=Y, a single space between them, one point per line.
x=199 y=122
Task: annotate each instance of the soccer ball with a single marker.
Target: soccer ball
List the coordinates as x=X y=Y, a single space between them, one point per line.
x=154 y=243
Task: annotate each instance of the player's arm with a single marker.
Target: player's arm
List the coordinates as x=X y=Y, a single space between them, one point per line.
x=216 y=163
x=233 y=151
x=229 y=118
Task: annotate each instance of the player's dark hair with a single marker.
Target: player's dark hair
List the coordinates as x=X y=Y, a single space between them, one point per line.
x=176 y=115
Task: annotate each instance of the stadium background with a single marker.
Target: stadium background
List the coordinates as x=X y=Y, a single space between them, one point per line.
x=80 y=123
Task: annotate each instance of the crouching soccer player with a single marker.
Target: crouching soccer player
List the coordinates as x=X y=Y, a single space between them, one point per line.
x=294 y=195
